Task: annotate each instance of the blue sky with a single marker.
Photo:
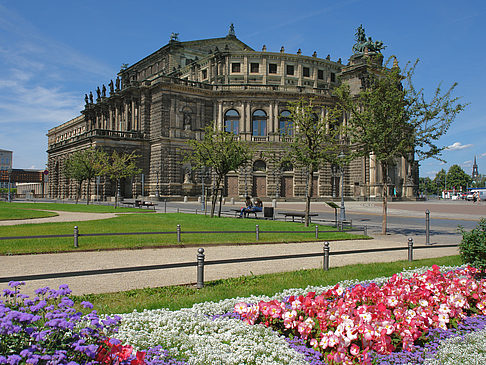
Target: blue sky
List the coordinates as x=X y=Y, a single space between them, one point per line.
x=53 y=52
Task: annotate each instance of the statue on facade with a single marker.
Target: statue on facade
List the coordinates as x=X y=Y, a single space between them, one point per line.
x=174 y=37
x=103 y=91
x=117 y=83
x=86 y=100
x=90 y=97
x=231 y=32
x=187 y=176
x=98 y=92
x=363 y=43
x=187 y=121
x=112 y=87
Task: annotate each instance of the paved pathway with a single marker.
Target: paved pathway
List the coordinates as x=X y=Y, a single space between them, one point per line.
x=76 y=261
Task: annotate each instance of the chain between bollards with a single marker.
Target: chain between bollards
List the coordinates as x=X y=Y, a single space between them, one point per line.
x=325 y=260
x=257 y=231
x=410 y=249
x=76 y=235
x=200 y=268
x=427 y=227
x=178 y=233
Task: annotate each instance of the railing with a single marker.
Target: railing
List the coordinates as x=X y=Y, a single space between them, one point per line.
x=200 y=263
x=178 y=232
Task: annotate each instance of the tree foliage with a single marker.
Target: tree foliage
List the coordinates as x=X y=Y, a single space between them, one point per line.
x=427 y=186
x=473 y=246
x=83 y=166
x=390 y=118
x=120 y=166
x=457 y=178
x=222 y=152
x=315 y=141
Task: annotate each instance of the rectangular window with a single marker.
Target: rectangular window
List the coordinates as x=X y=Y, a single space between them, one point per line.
x=235 y=67
x=204 y=74
x=320 y=74
x=333 y=77
x=306 y=72
x=290 y=69
x=254 y=67
x=272 y=68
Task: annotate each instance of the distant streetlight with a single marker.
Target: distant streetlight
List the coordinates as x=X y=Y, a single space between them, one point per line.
x=342 y=209
x=9 y=184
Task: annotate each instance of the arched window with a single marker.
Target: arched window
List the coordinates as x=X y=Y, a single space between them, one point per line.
x=259 y=165
x=259 y=123
x=231 y=121
x=286 y=125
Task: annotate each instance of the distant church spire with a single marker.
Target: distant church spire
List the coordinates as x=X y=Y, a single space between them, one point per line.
x=475 y=173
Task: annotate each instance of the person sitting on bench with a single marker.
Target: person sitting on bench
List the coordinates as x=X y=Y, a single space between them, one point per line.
x=246 y=208
x=258 y=207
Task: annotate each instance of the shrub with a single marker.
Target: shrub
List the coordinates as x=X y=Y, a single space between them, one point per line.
x=473 y=246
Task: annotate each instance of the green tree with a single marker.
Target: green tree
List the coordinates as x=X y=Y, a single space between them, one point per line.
x=427 y=185
x=315 y=142
x=473 y=246
x=84 y=166
x=440 y=180
x=120 y=166
x=390 y=118
x=222 y=152
x=457 y=178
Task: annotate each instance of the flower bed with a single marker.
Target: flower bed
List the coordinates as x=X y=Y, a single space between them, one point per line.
x=345 y=324
x=385 y=320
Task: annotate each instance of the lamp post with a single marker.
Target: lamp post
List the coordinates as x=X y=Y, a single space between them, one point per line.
x=342 y=209
x=9 y=184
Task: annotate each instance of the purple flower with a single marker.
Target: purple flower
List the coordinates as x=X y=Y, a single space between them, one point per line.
x=87 y=305
x=14 y=284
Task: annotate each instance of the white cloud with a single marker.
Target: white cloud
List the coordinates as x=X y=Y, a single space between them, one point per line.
x=483 y=154
x=456 y=146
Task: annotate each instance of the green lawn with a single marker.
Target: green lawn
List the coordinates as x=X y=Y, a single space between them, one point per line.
x=176 y=297
x=154 y=222
x=8 y=212
x=81 y=207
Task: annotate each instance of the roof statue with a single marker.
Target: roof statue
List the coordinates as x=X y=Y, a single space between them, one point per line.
x=174 y=37
x=363 y=43
x=231 y=32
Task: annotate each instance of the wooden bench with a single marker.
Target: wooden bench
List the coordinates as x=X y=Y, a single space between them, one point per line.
x=298 y=214
x=238 y=212
x=140 y=204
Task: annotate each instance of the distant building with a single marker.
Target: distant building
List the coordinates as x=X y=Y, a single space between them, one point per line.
x=5 y=165
x=159 y=103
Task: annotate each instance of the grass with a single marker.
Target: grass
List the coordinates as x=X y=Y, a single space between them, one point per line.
x=154 y=222
x=176 y=297
x=15 y=213
x=81 y=207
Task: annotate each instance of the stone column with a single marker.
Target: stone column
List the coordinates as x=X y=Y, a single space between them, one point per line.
x=125 y=121
x=282 y=72
x=220 y=116
x=245 y=70
x=265 y=71
x=134 y=126
x=248 y=119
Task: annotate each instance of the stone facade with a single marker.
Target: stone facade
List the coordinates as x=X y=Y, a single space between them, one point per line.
x=159 y=103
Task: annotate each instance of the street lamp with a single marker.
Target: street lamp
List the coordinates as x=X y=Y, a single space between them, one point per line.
x=9 y=184
x=342 y=209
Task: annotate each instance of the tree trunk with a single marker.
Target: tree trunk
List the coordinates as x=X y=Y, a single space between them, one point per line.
x=88 y=192
x=116 y=192
x=308 y=193
x=214 y=200
x=384 y=171
x=78 y=191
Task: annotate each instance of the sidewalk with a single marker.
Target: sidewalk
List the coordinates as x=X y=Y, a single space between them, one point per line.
x=77 y=261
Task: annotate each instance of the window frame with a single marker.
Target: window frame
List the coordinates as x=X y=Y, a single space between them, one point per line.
x=232 y=121
x=259 y=123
